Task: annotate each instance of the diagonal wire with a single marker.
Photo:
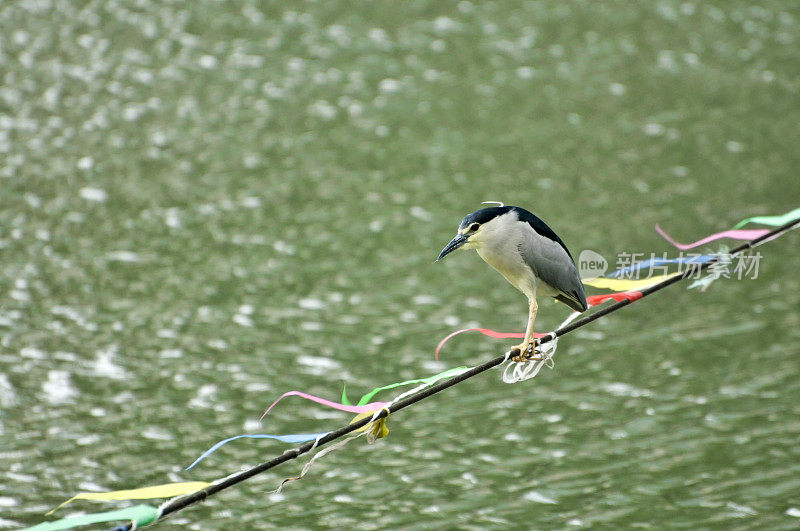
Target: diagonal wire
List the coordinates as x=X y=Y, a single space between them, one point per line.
x=176 y=504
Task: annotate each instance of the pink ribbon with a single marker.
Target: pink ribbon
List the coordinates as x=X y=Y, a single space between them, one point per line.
x=373 y=406
x=736 y=234
x=594 y=300
x=486 y=332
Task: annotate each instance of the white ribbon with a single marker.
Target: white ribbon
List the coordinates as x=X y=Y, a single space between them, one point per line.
x=520 y=371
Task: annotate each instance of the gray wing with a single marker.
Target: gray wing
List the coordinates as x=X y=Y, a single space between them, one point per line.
x=553 y=264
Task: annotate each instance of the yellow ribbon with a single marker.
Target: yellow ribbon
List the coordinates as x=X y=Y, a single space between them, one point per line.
x=624 y=284
x=377 y=429
x=145 y=493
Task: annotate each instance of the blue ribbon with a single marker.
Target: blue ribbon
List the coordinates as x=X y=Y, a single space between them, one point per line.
x=293 y=438
x=655 y=262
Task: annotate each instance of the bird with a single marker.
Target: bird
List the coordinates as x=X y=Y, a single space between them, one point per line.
x=526 y=251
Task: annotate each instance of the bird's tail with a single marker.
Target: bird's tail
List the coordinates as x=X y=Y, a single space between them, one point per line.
x=575 y=300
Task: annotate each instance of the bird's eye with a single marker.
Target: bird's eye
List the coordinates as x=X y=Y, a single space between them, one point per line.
x=474 y=227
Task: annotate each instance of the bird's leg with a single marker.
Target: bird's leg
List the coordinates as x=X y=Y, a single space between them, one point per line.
x=523 y=347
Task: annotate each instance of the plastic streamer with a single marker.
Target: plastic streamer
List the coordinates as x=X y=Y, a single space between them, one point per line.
x=772 y=221
x=336 y=405
x=594 y=300
x=318 y=455
x=293 y=438
x=345 y=401
x=138 y=515
x=426 y=381
x=167 y=490
x=735 y=234
x=657 y=262
x=620 y=284
x=485 y=331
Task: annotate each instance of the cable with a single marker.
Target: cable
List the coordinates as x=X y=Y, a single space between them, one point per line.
x=177 y=504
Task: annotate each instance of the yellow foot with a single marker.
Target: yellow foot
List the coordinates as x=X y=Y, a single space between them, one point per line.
x=526 y=352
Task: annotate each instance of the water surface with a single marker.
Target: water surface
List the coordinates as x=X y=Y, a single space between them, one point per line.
x=203 y=208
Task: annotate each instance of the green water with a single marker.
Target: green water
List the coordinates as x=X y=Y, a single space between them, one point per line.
x=204 y=206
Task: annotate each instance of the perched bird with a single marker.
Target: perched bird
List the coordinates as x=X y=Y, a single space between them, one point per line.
x=527 y=252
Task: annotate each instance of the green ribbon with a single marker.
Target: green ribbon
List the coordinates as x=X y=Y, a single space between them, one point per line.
x=430 y=379
x=344 y=395
x=772 y=221
x=140 y=515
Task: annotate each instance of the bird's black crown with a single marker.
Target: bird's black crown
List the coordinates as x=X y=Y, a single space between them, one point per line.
x=487 y=214
x=483 y=215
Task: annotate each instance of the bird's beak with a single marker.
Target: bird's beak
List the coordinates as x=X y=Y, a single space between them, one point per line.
x=454 y=244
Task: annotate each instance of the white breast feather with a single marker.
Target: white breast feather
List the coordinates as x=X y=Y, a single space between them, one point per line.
x=498 y=246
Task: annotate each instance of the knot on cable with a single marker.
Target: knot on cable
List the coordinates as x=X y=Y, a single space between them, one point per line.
x=376 y=429
x=519 y=371
x=720 y=268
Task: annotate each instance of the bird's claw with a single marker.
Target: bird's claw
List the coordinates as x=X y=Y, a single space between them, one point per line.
x=526 y=352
